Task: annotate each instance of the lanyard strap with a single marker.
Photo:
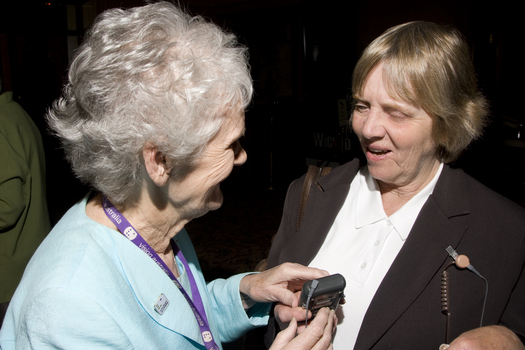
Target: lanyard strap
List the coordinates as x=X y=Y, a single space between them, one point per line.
x=196 y=306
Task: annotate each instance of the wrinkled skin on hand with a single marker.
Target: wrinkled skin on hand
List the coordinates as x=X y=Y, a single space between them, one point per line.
x=284 y=315
x=279 y=283
x=283 y=284
x=318 y=335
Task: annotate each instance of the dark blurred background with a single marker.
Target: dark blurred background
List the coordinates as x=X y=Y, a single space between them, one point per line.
x=302 y=53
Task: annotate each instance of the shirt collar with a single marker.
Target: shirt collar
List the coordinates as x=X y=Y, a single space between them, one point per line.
x=369 y=208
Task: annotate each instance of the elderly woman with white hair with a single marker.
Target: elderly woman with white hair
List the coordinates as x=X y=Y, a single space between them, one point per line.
x=151 y=119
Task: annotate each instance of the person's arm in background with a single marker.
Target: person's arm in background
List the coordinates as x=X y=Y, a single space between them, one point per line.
x=11 y=190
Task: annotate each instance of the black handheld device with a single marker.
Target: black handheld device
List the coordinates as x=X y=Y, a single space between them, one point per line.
x=323 y=292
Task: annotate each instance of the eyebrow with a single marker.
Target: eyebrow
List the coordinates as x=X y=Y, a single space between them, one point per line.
x=242 y=133
x=401 y=105
x=239 y=135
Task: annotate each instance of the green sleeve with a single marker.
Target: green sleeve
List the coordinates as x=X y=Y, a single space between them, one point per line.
x=12 y=177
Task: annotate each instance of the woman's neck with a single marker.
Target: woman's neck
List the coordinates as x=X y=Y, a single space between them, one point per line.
x=150 y=222
x=394 y=197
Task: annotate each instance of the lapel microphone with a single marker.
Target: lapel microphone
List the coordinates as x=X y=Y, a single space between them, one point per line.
x=461 y=262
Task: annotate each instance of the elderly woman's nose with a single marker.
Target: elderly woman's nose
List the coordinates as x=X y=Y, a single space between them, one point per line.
x=373 y=125
x=240 y=156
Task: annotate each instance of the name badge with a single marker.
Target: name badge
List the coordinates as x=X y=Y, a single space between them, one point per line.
x=162 y=304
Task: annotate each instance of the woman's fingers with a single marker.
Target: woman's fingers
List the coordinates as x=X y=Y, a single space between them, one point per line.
x=285 y=336
x=318 y=335
x=279 y=283
x=325 y=342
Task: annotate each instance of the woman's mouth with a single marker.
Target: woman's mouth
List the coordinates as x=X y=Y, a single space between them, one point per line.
x=377 y=152
x=376 y=155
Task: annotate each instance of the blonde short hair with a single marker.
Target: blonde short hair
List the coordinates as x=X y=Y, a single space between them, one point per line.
x=429 y=66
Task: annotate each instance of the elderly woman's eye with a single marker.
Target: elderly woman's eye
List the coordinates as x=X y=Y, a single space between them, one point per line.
x=360 y=108
x=236 y=146
x=398 y=115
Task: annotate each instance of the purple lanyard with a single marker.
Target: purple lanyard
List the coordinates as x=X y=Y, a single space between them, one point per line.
x=196 y=306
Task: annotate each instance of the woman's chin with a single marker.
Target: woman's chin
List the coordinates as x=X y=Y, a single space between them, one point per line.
x=216 y=200
x=212 y=203
x=214 y=206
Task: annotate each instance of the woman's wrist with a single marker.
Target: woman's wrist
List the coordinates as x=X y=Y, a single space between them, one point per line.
x=244 y=290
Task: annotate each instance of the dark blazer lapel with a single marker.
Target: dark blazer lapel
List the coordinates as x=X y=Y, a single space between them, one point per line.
x=320 y=213
x=441 y=223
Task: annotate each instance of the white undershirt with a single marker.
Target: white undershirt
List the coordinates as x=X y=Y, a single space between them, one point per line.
x=362 y=245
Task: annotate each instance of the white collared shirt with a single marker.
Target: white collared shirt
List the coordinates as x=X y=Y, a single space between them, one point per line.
x=362 y=245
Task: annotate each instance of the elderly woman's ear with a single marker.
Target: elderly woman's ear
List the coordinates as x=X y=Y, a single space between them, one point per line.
x=156 y=164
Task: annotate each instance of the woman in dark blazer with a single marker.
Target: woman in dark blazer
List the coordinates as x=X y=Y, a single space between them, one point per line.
x=385 y=225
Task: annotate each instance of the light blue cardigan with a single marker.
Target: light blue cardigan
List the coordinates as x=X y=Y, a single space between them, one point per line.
x=88 y=287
